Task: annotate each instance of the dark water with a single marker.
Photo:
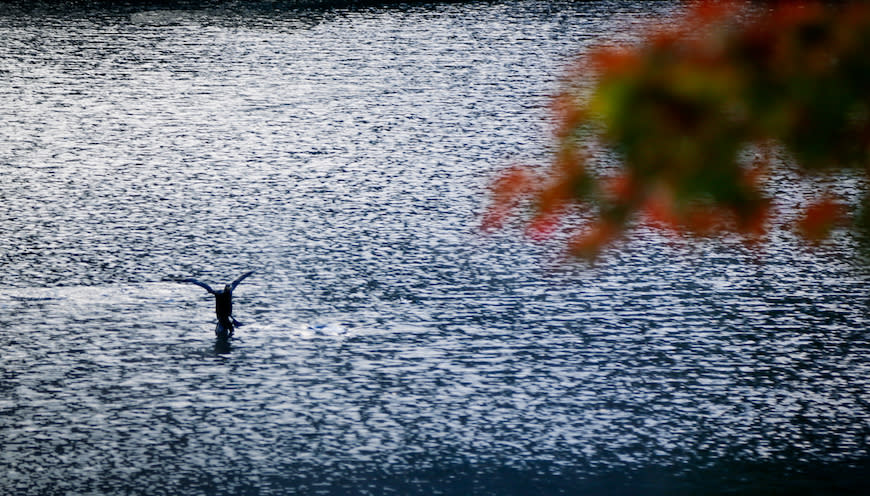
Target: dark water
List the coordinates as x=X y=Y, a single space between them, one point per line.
x=389 y=348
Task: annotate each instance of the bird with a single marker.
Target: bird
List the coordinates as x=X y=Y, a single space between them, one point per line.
x=223 y=307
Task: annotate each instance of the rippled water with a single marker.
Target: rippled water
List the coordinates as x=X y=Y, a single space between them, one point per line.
x=388 y=348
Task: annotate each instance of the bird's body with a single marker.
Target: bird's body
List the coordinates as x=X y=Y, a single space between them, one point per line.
x=223 y=305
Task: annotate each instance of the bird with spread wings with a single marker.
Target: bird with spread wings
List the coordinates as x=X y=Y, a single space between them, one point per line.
x=223 y=305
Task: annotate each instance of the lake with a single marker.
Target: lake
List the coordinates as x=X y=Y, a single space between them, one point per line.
x=389 y=347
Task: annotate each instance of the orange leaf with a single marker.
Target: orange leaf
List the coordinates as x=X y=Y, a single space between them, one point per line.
x=660 y=209
x=620 y=188
x=507 y=190
x=542 y=226
x=512 y=183
x=820 y=218
x=589 y=243
x=613 y=61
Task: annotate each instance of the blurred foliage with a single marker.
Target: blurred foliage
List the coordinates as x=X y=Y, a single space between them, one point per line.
x=682 y=108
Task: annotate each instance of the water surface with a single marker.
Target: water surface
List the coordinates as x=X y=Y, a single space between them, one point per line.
x=388 y=347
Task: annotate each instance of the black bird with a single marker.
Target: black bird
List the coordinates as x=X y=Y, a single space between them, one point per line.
x=223 y=305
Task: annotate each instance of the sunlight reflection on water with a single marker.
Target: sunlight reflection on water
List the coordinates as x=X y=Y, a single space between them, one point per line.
x=387 y=346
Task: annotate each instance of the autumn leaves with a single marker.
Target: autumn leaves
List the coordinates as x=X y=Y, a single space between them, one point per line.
x=694 y=114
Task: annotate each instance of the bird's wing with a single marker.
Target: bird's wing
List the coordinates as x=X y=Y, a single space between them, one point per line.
x=237 y=281
x=200 y=284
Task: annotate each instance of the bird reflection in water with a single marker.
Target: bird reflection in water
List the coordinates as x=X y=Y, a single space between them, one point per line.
x=222 y=346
